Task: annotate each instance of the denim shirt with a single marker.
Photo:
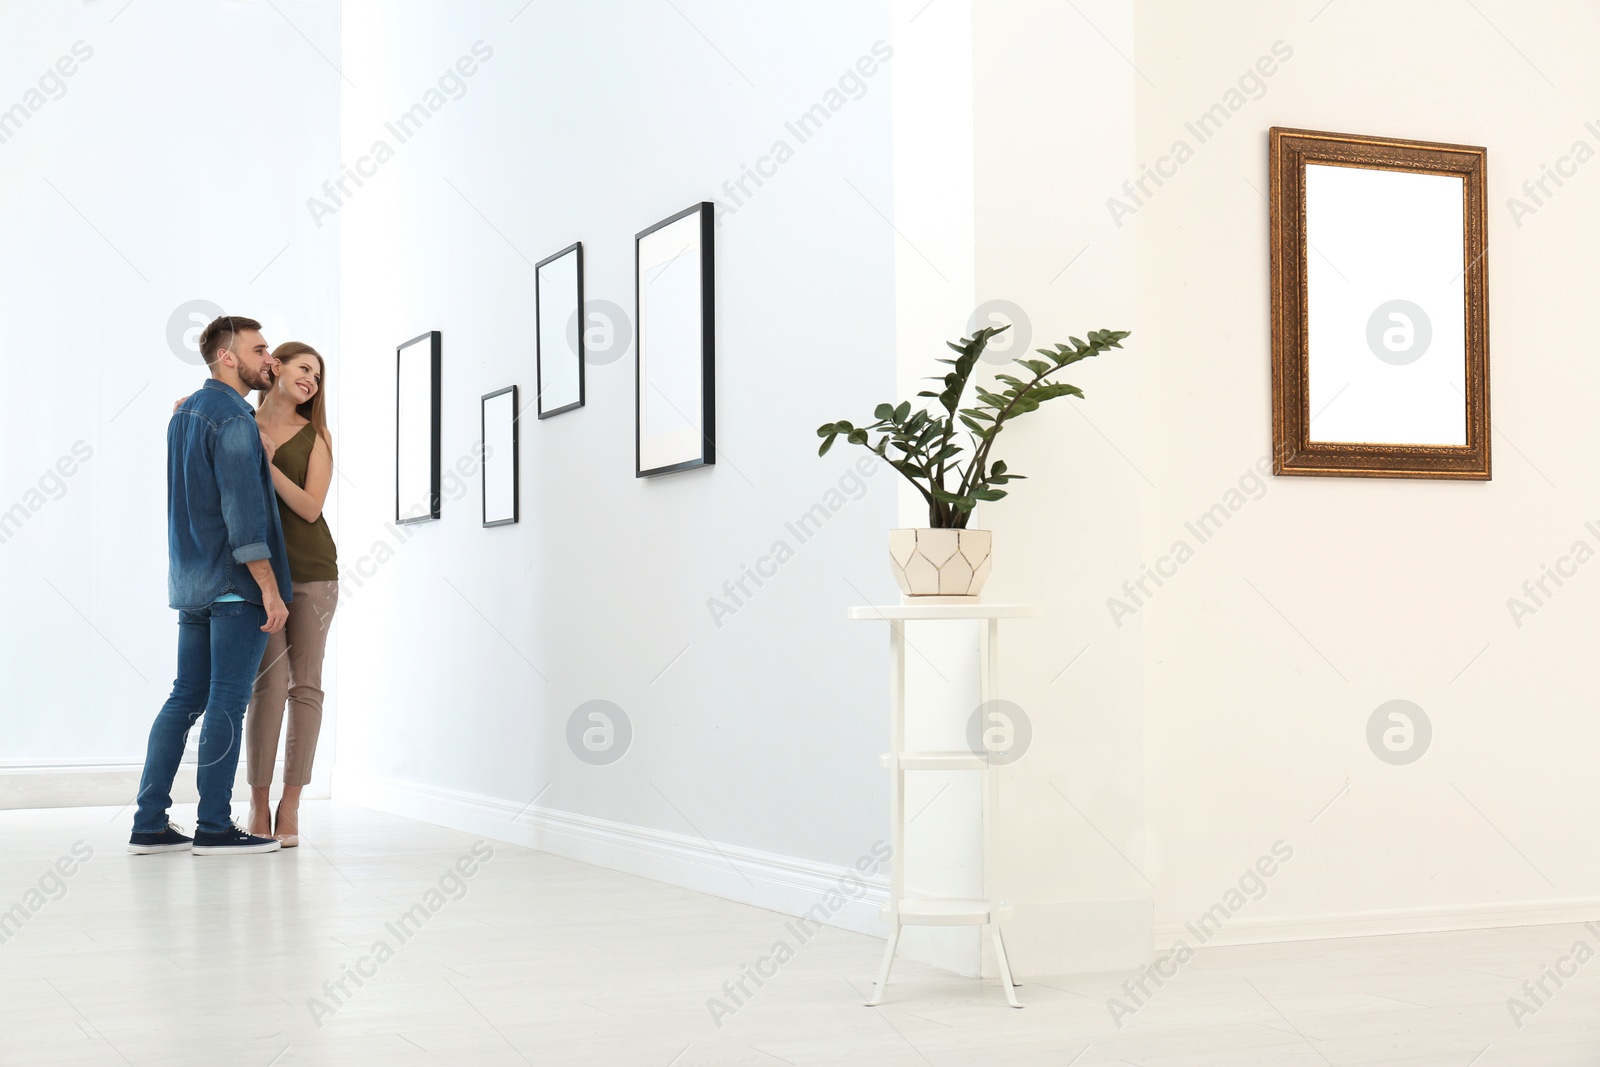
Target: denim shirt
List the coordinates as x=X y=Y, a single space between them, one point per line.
x=222 y=511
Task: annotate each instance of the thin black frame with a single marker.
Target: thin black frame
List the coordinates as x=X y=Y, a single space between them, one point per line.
x=432 y=336
x=708 y=392
x=538 y=347
x=516 y=453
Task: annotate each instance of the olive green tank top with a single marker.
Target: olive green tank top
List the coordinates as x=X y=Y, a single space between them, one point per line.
x=310 y=544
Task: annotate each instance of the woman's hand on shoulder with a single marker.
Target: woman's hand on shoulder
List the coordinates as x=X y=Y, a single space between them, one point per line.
x=178 y=403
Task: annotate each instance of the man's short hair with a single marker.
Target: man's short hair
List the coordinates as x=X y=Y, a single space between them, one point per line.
x=220 y=334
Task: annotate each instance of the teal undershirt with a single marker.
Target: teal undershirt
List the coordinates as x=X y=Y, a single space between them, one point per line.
x=227 y=596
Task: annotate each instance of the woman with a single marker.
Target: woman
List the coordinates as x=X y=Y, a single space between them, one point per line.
x=294 y=431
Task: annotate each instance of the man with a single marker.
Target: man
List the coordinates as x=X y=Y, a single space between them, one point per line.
x=228 y=576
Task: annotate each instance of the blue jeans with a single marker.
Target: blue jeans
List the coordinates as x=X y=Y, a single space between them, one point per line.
x=219 y=652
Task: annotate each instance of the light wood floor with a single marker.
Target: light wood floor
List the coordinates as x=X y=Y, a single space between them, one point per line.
x=177 y=960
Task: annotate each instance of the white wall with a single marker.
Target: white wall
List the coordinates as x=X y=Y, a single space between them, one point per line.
x=1000 y=224
x=466 y=651
x=170 y=166
x=1325 y=597
x=1054 y=116
x=1225 y=715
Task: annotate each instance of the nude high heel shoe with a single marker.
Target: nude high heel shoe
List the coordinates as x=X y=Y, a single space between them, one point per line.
x=286 y=840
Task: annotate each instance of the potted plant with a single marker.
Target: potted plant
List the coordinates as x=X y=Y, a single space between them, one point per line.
x=945 y=558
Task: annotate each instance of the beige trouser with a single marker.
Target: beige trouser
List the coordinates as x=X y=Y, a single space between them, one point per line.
x=291 y=670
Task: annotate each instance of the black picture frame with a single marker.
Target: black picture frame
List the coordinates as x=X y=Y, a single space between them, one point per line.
x=401 y=425
x=705 y=455
x=516 y=452
x=540 y=354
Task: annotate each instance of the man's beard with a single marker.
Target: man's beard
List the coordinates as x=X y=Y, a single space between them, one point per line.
x=261 y=379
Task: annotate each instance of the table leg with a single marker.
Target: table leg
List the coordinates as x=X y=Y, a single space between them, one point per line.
x=1005 y=967
x=1001 y=938
x=883 y=971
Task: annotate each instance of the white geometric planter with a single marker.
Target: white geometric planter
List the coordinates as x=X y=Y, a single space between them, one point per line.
x=940 y=562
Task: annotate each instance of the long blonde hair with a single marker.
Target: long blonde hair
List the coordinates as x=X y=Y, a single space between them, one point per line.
x=314 y=409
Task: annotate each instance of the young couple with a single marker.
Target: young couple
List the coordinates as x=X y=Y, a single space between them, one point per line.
x=253 y=575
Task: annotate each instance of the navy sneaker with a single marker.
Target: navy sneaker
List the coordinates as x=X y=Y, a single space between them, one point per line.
x=233 y=841
x=168 y=840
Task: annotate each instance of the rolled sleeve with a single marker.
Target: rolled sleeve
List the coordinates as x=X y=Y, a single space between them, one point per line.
x=238 y=459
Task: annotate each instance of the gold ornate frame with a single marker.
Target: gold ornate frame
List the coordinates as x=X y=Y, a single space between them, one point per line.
x=1293 y=452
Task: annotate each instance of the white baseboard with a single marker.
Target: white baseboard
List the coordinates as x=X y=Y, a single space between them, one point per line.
x=782 y=884
x=59 y=785
x=1431 y=920
x=1077 y=936
x=1044 y=937
x=98 y=783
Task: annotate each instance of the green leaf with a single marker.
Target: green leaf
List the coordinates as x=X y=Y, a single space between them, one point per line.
x=966 y=503
x=1051 y=390
x=926 y=439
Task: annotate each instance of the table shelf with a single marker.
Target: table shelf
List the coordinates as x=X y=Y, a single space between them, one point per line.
x=935 y=761
x=947 y=911
x=902 y=910
x=914 y=611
